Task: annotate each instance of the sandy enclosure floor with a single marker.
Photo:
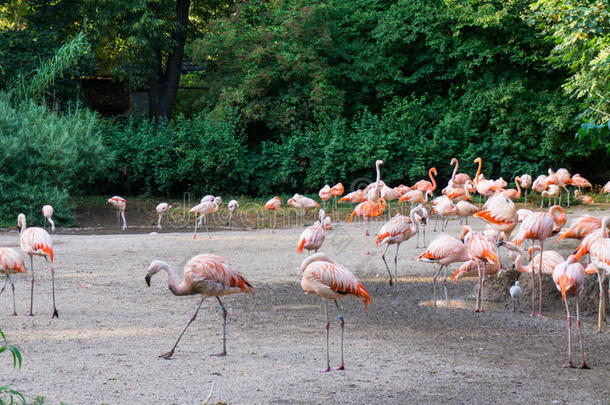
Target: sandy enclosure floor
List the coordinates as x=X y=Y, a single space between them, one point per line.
x=104 y=348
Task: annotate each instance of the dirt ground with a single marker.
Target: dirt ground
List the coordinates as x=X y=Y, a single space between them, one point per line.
x=104 y=347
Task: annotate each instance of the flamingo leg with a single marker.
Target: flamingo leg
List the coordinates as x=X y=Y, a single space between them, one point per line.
x=207 y=225
x=483 y=288
x=569 y=365
x=55 y=313
x=159 y=221
x=4 y=286
x=171 y=352
x=540 y=280
x=583 y=364
x=327 y=327
x=32 y=288
x=368 y=251
x=387 y=246
x=274 y=220
x=118 y=219
x=195 y=233
x=476 y=306
x=445 y=282
x=224 y=329
x=533 y=292
x=602 y=307
x=342 y=323
x=13 y=288
x=124 y=221
x=396 y=263
x=434 y=282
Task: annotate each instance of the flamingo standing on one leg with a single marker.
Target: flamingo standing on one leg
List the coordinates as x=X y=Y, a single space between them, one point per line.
x=569 y=277
x=312 y=238
x=331 y=281
x=368 y=210
x=119 y=203
x=11 y=262
x=206 y=274
x=538 y=227
x=37 y=242
x=324 y=194
x=526 y=182
x=399 y=229
x=47 y=211
x=162 y=209
x=232 y=206
x=337 y=191
x=273 y=205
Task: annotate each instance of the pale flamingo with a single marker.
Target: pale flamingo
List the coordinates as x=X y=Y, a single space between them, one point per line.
x=464 y=209
x=325 y=220
x=569 y=277
x=511 y=193
x=206 y=274
x=426 y=186
x=444 y=250
x=119 y=204
x=584 y=199
x=373 y=193
x=500 y=213
x=389 y=194
x=600 y=258
x=324 y=194
x=539 y=185
x=331 y=281
x=515 y=294
x=11 y=262
x=581 y=227
x=550 y=259
x=483 y=187
x=526 y=182
x=399 y=229
x=368 y=210
x=233 y=206
x=481 y=251
x=522 y=213
x=203 y=210
x=421 y=222
x=606 y=190
x=458 y=179
x=538 y=227
x=312 y=238
x=456 y=194
x=273 y=205
x=444 y=207
x=162 y=209
x=564 y=178
x=302 y=203
x=337 y=191
x=47 y=211
x=37 y=242
x=552 y=191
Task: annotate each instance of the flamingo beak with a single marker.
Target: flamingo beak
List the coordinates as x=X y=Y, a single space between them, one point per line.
x=147 y=279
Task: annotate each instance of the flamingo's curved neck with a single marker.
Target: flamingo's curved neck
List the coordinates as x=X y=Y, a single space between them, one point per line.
x=518 y=264
x=476 y=177
x=22 y=223
x=432 y=179
x=517 y=179
x=381 y=206
x=176 y=289
x=455 y=169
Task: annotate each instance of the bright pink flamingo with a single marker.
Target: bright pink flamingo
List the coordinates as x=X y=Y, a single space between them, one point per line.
x=273 y=205
x=47 y=211
x=426 y=186
x=37 y=242
x=399 y=229
x=209 y=275
x=482 y=251
x=161 y=209
x=569 y=277
x=11 y=262
x=233 y=206
x=354 y=197
x=578 y=181
x=312 y=238
x=331 y=281
x=444 y=250
x=119 y=204
x=581 y=227
x=368 y=210
x=337 y=191
x=500 y=213
x=538 y=227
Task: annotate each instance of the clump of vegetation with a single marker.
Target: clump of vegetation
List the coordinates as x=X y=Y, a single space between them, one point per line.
x=7 y=394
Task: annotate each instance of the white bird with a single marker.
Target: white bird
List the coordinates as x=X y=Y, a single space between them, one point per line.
x=515 y=293
x=233 y=206
x=162 y=209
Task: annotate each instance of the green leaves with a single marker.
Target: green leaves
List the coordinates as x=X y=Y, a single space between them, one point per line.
x=12 y=349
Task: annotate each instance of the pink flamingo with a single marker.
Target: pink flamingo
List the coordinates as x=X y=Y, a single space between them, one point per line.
x=444 y=250
x=600 y=258
x=458 y=179
x=206 y=274
x=526 y=182
x=389 y=194
x=414 y=197
x=273 y=205
x=511 y=193
x=550 y=259
x=161 y=209
x=482 y=251
x=47 y=211
x=368 y=210
x=325 y=220
x=303 y=204
x=399 y=229
x=538 y=227
x=312 y=238
x=331 y=281
x=233 y=205
x=324 y=194
x=552 y=191
x=581 y=227
x=373 y=190
x=444 y=207
x=354 y=197
x=483 y=187
x=426 y=186
x=37 y=242
x=203 y=210
x=500 y=213
x=11 y=262
x=584 y=199
x=464 y=209
x=578 y=181
x=606 y=190
x=119 y=203
x=569 y=277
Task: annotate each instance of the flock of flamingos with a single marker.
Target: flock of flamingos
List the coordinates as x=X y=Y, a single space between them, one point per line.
x=210 y=275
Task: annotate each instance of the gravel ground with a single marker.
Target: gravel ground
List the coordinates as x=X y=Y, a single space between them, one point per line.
x=104 y=347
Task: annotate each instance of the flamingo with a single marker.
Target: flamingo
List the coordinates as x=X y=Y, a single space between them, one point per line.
x=337 y=191
x=302 y=203
x=444 y=207
x=162 y=209
x=552 y=191
x=233 y=205
x=119 y=203
x=606 y=190
x=581 y=227
x=511 y=193
x=464 y=209
x=500 y=213
x=569 y=277
x=206 y=274
x=374 y=192
x=538 y=227
x=389 y=194
x=578 y=181
x=539 y=185
x=399 y=229
x=550 y=259
x=458 y=179
x=354 y=197
x=312 y=238
x=584 y=199
x=37 y=242
x=444 y=250
x=526 y=182
x=426 y=186
x=368 y=210
x=600 y=258
x=324 y=194
x=522 y=213
x=204 y=209
x=273 y=205
x=482 y=252
x=483 y=187
x=515 y=294
x=331 y=281
x=11 y=262
x=47 y=211
x=325 y=220
x=456 y=194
